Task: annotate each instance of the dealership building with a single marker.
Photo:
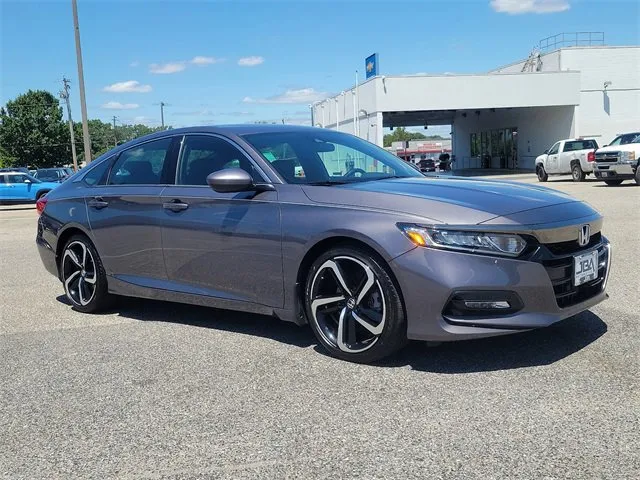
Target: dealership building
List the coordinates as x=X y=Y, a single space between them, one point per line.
x=509 y=115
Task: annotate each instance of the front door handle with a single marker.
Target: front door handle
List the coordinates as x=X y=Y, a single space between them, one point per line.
x=175 y=205
x=98 y=203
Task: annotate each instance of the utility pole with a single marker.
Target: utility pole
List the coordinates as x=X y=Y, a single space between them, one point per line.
x=83 y=102
x=162 y=104
x=115 y=137
x=64 y=94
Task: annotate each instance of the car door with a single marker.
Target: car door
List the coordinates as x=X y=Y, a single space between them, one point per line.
x=225 y=245
x=19 y=187
x=552 y=159
x=565 y=157
x=125 y=212
x=4 y=187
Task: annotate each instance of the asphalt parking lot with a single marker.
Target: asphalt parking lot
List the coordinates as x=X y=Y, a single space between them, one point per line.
x=157 y=390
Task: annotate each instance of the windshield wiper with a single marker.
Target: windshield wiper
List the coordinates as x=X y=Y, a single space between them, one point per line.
x=326 y=183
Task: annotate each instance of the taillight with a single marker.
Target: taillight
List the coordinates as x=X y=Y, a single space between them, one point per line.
x=41 y=203
x=591 y=157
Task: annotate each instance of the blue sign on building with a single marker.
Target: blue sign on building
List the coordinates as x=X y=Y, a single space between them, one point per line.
x=371 y=65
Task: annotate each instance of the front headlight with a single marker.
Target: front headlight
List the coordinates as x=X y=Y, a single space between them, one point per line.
x=628 y=156
x=505 y=244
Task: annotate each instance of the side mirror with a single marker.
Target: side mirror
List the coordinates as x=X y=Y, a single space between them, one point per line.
x=230 y=180
x=604 y=146
x=26 y=180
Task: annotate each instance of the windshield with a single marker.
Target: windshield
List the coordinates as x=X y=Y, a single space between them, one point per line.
x=323 y=157
x=629 y=138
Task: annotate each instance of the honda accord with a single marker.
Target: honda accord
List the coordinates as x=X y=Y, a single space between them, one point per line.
x=322 y=228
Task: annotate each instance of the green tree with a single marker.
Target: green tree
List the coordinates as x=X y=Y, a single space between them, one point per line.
x=32 y=132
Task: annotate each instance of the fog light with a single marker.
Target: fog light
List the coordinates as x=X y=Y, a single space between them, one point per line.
x=479 y=304
x=486 y=305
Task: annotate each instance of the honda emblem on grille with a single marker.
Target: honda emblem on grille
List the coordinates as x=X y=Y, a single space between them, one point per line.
x=584 y=235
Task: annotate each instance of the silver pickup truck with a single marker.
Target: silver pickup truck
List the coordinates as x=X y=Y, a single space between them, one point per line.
x=620 y=160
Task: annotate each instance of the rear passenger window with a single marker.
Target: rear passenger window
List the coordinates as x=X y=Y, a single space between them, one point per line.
x=98 y=174
x=141 y=165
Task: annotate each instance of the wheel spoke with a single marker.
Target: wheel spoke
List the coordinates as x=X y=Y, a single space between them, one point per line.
x=340 y=336
x=318 y=302
x=367 y=285
x=91 y=280
x=373 y=329
x=84 y=255
x=336 y=271
x=74 y=258
x=70 y=279
x=81 y=285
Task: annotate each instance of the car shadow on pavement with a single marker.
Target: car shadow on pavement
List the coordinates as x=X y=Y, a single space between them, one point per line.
x=207 y=317
x=527 y=349
x=622 y=185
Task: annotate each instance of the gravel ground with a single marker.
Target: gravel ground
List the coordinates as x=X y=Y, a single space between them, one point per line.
x=159 y=390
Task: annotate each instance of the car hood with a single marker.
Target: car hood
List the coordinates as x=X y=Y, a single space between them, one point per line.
x=627 y=147
x=452 y=200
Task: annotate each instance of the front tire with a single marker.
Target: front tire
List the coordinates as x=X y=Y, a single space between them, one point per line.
x=353 y=305
x=637 y=175
x=613 y=183
x=542 y=174
x=83 y=276
x=576 y=173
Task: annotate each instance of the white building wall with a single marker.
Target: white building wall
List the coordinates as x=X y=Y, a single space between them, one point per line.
x=606 y=113
x=602 y=114
x=538 y=129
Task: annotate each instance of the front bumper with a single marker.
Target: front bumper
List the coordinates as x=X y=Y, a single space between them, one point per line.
x=615 y=171
x=429 y=278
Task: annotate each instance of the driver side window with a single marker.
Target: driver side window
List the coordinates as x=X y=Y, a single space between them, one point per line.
x=204 y=154
x=16 y=178
x=554 y=149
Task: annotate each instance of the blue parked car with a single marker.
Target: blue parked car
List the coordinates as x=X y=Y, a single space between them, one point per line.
x=20 y=187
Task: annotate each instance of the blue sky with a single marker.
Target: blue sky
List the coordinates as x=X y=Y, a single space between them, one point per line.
x=236 y=62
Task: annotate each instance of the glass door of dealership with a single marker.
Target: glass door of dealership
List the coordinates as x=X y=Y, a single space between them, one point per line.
x=496 y=148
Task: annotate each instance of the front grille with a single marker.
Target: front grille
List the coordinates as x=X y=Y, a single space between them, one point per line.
x=564 y=248
x=560 y=273
x=607 y=156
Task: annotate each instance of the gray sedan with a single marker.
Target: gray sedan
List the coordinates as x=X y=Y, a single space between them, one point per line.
x=322 y=228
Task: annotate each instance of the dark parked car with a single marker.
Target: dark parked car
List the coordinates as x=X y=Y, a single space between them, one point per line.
x=320 y=227
x=53 y=174
x=427 y=165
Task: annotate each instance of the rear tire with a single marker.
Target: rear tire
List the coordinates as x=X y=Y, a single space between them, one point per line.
x=83 y=276
x=353 y=305
x=542 y=175
x=576 y=173
x=613 y=183
x=41 y=194
x=637 y=175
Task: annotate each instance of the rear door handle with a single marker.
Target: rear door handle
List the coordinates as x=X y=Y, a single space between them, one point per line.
x=175 y=205
x=98 y=203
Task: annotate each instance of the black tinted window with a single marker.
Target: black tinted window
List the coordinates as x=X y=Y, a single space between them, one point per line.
x=98 y=174
x=203 y=154
x=579 y=145
x=141 y=165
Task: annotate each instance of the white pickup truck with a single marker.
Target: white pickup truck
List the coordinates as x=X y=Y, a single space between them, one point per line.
x=620 y=160
x=573 y=155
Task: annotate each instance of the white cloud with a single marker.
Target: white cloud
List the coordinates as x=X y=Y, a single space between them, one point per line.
x=134 y=64
x=167 y=67
x=128 y=86
x=250 y=61
x=517 y=7
x=120 y=106
x=302 y=95
x=202 y=61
